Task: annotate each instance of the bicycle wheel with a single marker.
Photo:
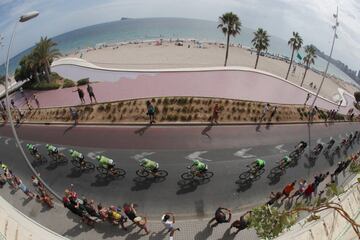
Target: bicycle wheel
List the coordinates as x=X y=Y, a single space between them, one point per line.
x=161 y=173
x=76 y=163
x=207 y=175
x=118 y=172
x=89 y=166
x=187 y=176
x=259 y=172
x=142 y=173
x=102 y=171
x=245 y=175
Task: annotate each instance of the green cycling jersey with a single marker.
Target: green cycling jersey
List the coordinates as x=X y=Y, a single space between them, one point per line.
x=104 y=161
x=52 y=149
x=75 y=154
x=31 y=147
x=149 y=164
x=200 y=166
x=287 y=159
x=4 y=167
x=260 y=163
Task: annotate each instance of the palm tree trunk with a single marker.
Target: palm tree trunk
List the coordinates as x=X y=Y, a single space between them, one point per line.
x=292 y=56
x=36 y=75
x=47 y=74
x=227 y=49
x=306 y=69
x=257 y=59
x=48 y=66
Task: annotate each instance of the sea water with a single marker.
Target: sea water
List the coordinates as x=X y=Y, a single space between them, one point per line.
x=167 y=28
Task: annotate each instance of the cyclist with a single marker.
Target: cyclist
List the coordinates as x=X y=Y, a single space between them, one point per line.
x=257 y=165
x=285 y=161
x=149 y=165
x=318 y=148
x=330 y=144
x=198 y=167
x=52 y=150
x=32 y=149
x=105 y=162
x=77 y=156
x=301 y=146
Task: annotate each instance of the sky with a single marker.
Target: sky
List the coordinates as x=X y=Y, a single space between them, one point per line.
x=311 y=18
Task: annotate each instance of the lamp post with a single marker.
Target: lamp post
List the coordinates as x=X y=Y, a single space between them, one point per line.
x=24 y=18
x=336 y=16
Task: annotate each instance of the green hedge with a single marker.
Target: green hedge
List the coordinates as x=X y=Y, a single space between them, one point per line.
x=43 y=86
x=68 y=83
x=83 y=81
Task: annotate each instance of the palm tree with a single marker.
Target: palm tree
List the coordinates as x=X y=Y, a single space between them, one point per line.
x=45 y=52
x=260 y=42
x=295 y=43
x=230 y=25
x=308 y=59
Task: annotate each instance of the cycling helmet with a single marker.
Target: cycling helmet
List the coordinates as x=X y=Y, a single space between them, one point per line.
x=71 y=151
x=47 y=145
x=98 y=157
x=28 y=145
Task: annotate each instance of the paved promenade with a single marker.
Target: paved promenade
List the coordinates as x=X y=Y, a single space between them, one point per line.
x=233 y=83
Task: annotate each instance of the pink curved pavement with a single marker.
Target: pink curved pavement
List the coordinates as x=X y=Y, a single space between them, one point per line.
x=229 y=83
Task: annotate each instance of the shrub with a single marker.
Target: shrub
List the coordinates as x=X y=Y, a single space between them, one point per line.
x=189 y=118
x=159 y=101
x=43 y=85
x=166 y=101
x=108 y=107
x=83 y=81
x=183 y=118
x=68 y=83
x=101 y=108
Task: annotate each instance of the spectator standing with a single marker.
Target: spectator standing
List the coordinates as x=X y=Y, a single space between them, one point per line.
x=91 y=93
x=150 y=112
x=220 y=216
x=141 y=223
x=242 y=223
x=81 y=95
x=36 y=101
x=265 y=111
x=274 y=197
x=3 y=104
x=308 y=192
x=215 y=115
x=287 y=190
x=129 y=210
x=23 y=187
x=307 y=98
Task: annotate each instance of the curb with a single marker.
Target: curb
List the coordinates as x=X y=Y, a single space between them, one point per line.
x=177 y=124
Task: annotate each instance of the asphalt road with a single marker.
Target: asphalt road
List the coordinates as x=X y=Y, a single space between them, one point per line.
x=226 y=149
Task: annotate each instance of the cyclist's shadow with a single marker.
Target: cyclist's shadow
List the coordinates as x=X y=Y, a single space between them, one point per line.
x=144 y=183
x=275 y=175
x=188 y=186
x=102 y=181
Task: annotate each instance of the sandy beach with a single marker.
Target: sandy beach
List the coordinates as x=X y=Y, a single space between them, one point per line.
x=153 y=55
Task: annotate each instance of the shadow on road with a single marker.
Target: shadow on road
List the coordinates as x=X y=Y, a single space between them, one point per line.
x=275 y=175
x=188 y=186
x=145 y=183
x=228 y=236
x=204 y=234
x=206 y=130
x=69 y=129
x=102 y=181
x=142 y=130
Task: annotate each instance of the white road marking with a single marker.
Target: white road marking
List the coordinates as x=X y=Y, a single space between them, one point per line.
x=320 y=141
x=242 y=153
x=16 y=145
x=92 y=155
x=280 y=148
x=7 y=141
x=142 y=155
x=196 y=156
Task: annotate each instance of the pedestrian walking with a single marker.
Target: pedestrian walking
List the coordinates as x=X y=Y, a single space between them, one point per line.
x=215 y=115
x=81 y=94
x=220 y=216
x=168 y=220
x=150 y=112
x=91 y=93
x=265 y=111
x=3 y=104
x=36 y=100
x=74 y=115
x=242 y=223
x=141 y=223
x=307 y=98
x=341 y=101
